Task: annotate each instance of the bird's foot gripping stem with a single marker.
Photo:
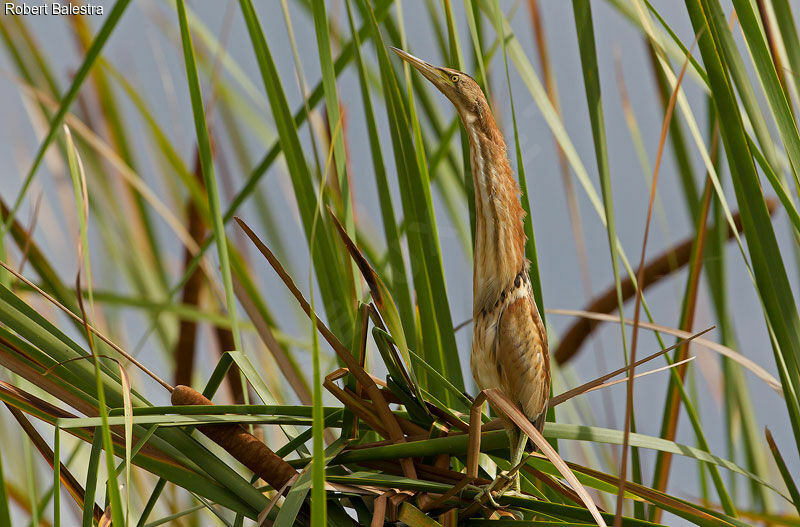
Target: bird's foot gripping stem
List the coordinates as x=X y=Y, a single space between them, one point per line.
x=500 y=486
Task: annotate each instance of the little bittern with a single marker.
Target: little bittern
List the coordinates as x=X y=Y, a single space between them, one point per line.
x=509 y=343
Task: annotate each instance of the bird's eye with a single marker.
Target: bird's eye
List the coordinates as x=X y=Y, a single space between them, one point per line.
x=454 y=78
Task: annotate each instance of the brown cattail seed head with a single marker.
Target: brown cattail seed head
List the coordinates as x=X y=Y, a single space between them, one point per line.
x=238 y=442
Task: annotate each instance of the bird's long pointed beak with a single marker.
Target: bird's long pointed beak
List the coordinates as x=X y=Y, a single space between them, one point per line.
x=431 y=72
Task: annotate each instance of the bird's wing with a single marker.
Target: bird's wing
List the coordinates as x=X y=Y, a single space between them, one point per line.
x=523 y=358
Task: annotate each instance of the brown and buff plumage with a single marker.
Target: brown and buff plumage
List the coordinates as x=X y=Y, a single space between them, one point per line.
x=509 y=343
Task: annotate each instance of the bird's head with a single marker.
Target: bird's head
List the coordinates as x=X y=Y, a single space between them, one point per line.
x=460 y=88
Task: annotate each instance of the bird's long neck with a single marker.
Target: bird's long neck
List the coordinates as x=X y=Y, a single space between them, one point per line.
x=499 y=234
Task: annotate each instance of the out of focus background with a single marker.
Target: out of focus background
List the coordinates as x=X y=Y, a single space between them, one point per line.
x=125 y=149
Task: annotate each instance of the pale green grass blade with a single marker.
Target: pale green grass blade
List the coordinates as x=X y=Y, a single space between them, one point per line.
x=455 y=57
x=683 y=50
x=166 y=421
x=82 y=205
x=30 y=477
x=81 y=194
x=172 y=517
x=258 y=384
x=222 y=56
x=160 y=138
x=300 y=488
x=295 y=499
x=473 y=21
x=50 y=281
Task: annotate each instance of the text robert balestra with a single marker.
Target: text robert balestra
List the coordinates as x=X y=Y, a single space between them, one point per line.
x=53 y=8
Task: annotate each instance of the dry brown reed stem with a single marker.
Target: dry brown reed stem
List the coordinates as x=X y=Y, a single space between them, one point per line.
x=409 y=427
x=353 y=403
x=474 y=444
x=451 y=420
x=429 y=501
x=365 y=408
x=655 y=270
x=384 y=412
x=379 y=510
x=238 y=442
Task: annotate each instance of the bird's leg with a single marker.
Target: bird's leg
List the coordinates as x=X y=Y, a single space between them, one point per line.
x=504 y=480
x=519 y=441
x=486 y=491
